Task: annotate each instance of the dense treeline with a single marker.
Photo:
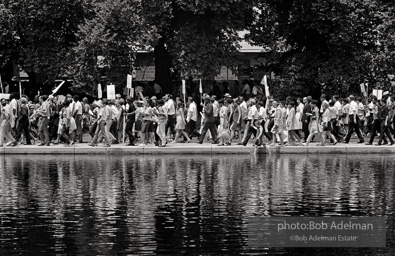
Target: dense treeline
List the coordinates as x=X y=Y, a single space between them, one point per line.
x=313 y=45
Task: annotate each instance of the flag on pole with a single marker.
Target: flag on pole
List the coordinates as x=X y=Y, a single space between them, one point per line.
x=57 y=88
x=200 y=87
x=99 y=91
x=129 y=81
x=183 y=87
x=264 y=82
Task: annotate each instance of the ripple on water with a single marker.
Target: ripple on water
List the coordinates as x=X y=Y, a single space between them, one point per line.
x=91 y=205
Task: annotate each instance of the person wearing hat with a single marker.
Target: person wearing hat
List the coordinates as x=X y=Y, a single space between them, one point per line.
x=209 y=121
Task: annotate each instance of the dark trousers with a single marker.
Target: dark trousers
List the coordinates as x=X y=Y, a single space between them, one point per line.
x=374 y=130
x=191 y=129
x=336 y=129
x=171 y=120
x=23 y=128
x=43 y=130
x=305 y=128
x=250 y=132
x=208 y=126
x=113 y=129
x=385 y=131
x=92 y=130
x=129 y=131
x=353 y=127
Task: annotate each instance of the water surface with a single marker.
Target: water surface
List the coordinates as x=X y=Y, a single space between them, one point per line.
x=135 y=205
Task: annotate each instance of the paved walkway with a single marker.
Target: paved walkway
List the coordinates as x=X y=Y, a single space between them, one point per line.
x=193 y=148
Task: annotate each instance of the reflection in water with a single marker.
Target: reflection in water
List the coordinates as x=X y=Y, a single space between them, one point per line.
x=89 y=205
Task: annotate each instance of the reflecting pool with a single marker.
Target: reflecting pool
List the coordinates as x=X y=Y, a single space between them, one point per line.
x=136 y=205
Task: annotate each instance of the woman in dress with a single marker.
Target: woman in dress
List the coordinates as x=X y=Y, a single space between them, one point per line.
x=315 y=127
x=223 y=120
x=292 y=125
x=298 y=115
x=278 y=124
x=147 y=130
x=161 y=113
x=180 y=124
x=5 y=124
x=327 y=125
x=69 y=121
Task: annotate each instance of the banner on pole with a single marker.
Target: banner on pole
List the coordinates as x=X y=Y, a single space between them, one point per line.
x=183 y=87
x=132 y=92
x=129 y=81
x=200 y=87
x=99 y=91
x=111 y=92
x=57 y=88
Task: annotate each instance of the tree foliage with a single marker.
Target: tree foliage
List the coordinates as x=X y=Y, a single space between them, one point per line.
x=38 y=34
x=108 y=43
x=200 y=36
x=330 y=46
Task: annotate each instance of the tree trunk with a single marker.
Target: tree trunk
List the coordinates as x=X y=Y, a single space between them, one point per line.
x=162 y=66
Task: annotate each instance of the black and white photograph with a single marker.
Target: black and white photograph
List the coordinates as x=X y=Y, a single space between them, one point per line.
x=197 y=127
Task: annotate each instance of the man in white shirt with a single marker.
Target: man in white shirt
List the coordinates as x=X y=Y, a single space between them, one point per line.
x=170 y=106
x=77 y=114
x=192 y=118
x=253 y=115
x=354 y=121
x=244 y=117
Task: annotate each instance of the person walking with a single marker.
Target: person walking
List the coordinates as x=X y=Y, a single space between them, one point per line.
x=180 y=124
x=354 y=121
x=306 y=115
x=160 y=112
x=209 y=122
x=44 y=113
x=5 y=124
x=131 y=116
x=103 y=117
x=23 y=122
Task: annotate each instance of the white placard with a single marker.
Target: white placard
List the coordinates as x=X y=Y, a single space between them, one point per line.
x=375 y=92
x=129 y=81
x=200 y=87
x=132 y=92
x=183 y=87
x=362 y=87
x=5 y=96
x=99 y=91
x=264 y=80
x=111 y=92
x=379 y=94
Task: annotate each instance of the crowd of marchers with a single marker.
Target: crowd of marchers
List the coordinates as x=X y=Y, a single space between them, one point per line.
x=159 y=121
